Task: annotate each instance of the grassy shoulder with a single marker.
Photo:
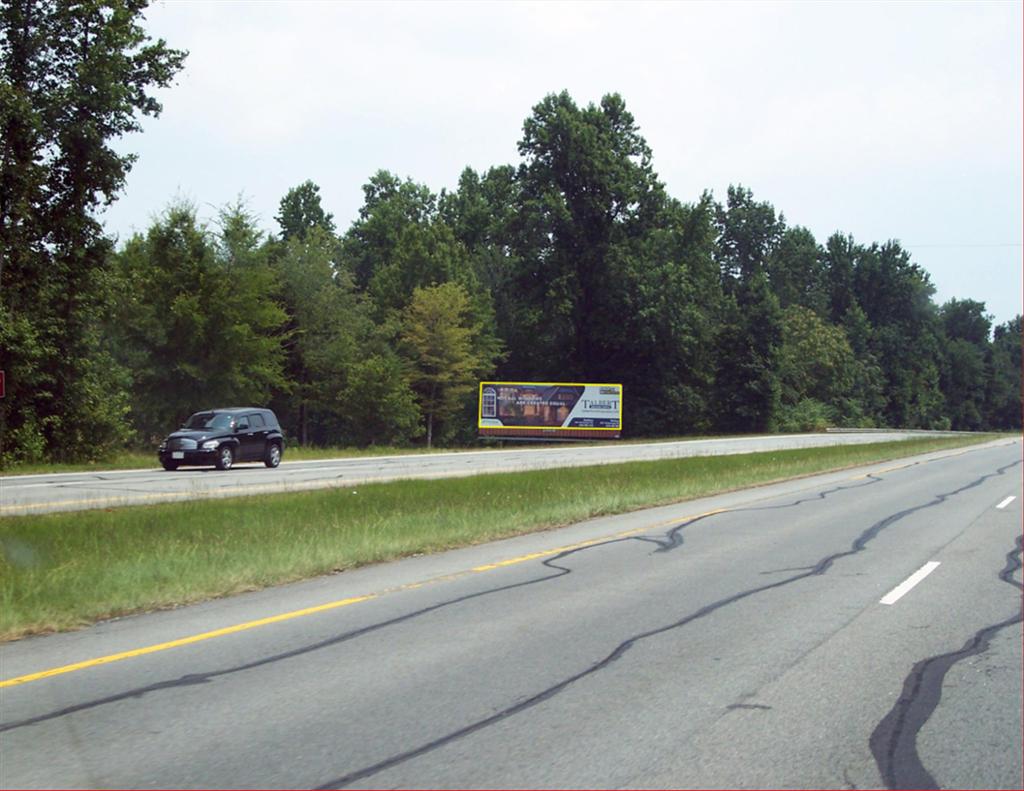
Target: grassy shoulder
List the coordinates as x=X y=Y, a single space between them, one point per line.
x=62 y=571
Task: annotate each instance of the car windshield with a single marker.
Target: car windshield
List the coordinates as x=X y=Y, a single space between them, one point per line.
x=209 y=420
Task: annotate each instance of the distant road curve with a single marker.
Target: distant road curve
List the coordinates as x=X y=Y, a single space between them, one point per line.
x=34 y=494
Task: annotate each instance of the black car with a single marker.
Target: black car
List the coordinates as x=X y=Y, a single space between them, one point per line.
x=223 y=436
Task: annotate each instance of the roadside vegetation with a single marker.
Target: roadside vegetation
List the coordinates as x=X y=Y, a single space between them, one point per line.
x=570 y=262
x=63 y=571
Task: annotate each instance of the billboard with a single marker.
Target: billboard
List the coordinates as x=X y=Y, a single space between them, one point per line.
x=550 y=410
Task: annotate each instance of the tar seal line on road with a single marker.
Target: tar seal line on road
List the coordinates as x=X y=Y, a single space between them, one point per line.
x=670 y=540
x=894 y=741
x=820 y=568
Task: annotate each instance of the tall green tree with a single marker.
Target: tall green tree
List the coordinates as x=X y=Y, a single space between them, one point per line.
x=749 y=234
x=586 y=186
x=840 y=260
x=438 y=334
x=817 y=371
x=379 y=406
x=197 y=323
x=390 y=206
x=483 y=213
x=750 y=333
x=866 y=401
x=796 y=272
x=896 y=296
x=666 y=297
x=964 y=367
x=1003 y=391
x=74 y=77
x=300 y=211
x=424 y=254
x=747 y=387
x=326 y=320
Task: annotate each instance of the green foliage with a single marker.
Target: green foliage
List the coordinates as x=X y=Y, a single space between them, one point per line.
x=326 y=319
x=587 y=187
x=749 y=236
x=797 y=272
x=438 y=331
x=747 y=382
x=895 y=295
x=300 y=212
x=379 y=406
x=425 y=254
x=196 y=322
x=74 y=77
x=967 y=354
x=815 y=360
x=574 y=265
x=390 y=206
x=807 y=414
x=1003 y=390
x=840 y=258
x=662 y=347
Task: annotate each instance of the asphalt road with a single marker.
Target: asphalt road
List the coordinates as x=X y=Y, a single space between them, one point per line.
x=738 y=641
x=32 y=494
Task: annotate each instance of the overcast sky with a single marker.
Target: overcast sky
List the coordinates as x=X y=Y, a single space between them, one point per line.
x=881 y=120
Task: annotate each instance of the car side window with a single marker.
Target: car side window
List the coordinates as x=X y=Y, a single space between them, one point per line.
x=255 y=421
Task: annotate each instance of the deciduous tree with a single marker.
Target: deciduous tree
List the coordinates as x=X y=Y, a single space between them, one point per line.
x=438 y=335
x=74 y=77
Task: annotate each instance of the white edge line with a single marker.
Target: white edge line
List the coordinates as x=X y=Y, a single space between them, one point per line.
x=908 y=584
x=1006 y=502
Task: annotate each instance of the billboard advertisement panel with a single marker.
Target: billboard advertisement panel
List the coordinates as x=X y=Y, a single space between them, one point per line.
x=550 y=409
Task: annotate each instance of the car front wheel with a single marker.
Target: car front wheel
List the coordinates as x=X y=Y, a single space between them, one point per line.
x=273 y=457
x=225 y=457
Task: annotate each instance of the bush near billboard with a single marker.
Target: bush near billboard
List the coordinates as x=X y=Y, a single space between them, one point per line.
x=550 y=410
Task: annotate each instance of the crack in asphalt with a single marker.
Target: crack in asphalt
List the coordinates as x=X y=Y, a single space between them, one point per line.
x=820 y=568
x=672 y=539
x=894 y=741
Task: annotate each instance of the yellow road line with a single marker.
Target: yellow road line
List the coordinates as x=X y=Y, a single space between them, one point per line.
x=152 y=649
x=196 y=638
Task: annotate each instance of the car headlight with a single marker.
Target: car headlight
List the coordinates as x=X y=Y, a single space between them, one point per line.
x=210 y=444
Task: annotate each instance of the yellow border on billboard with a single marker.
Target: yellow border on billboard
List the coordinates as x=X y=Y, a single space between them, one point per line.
x=480 y=405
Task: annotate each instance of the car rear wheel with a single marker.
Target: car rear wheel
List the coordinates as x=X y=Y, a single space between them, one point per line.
x=273 y=457
x=225 y=457
x=170 y=466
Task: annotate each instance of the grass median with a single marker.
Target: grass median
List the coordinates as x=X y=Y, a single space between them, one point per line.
x=63 y=571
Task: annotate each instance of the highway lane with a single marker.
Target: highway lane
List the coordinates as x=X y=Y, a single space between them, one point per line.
x=31 y=494
x=738 y=641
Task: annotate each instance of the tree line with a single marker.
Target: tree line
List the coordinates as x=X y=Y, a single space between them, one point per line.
x=572 y=265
